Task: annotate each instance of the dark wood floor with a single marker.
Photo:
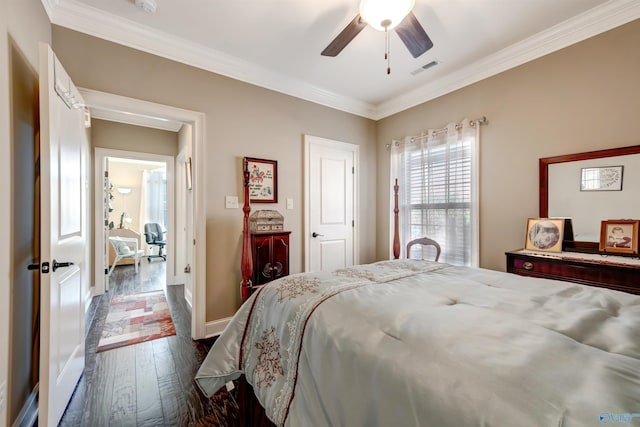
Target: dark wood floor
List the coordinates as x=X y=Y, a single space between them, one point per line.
x=146 y=384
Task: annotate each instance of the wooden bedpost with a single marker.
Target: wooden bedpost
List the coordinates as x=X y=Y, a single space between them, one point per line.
x=246 y=263
x=396 y=227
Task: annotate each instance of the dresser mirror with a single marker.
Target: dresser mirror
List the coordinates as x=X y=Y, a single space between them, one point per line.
x=566 y=192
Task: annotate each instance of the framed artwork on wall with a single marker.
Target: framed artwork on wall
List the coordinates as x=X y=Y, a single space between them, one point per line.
x=619 y=236
x=263 y=180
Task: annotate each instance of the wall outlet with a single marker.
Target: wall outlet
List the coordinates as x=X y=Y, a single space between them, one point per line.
x=289 y=203
x=3 y=396
x=231 y=202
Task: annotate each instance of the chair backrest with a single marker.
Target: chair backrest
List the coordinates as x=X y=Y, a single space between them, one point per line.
x=424 y=241
x=120 y=246
x=153 y=233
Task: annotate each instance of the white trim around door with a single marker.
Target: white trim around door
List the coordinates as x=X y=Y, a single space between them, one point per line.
x=144 y=109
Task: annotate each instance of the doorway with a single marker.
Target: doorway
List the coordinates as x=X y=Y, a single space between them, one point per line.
x=331 y=214
x=139 y=205
x=137 y=112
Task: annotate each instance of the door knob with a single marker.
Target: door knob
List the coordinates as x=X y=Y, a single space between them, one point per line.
x=56 y=265
x=314 y=234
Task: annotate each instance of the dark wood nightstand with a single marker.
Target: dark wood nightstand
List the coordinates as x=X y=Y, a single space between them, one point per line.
x=613 y=272
x=270 y=250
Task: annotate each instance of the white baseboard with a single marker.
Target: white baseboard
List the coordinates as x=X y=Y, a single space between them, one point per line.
x=215 y=328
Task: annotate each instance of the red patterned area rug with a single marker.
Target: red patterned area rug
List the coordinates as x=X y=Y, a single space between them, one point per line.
x=136 y=318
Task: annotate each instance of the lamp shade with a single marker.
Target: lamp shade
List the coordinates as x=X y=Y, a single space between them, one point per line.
x=385 y=14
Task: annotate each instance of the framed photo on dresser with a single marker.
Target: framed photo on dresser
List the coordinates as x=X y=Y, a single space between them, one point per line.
x=545 y=234
x=619 y=236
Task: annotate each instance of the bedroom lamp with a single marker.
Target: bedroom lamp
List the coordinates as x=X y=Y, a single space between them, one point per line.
x=385 y=14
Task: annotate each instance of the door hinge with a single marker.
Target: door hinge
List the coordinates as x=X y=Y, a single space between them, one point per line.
x=106 y=174
x=106 y=270
x=353 y=223
x=353 y=170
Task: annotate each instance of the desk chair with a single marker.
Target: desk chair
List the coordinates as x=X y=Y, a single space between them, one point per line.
x=154 y=236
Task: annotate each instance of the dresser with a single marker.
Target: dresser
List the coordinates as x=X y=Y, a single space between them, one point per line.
x=270 y=250
x=614 y=272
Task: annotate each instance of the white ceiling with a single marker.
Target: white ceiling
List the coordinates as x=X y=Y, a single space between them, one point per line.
x=277 y=43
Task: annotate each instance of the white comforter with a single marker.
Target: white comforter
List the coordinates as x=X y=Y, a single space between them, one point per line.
x=415 y=343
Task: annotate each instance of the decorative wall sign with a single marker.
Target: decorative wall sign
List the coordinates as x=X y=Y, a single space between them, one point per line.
x=263 y=180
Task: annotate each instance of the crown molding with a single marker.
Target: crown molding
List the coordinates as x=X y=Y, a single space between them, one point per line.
x=80 y=17
x=588 y=24
x=86 y=19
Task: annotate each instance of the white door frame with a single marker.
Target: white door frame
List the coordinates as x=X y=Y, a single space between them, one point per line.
x=119 y=103
x=99 y=241
x=329 y=143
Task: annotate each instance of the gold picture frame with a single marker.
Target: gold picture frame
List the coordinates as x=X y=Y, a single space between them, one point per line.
x=544 y=234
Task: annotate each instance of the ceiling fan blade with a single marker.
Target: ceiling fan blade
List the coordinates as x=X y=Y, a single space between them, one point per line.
x=343 y=39
x=413 y=35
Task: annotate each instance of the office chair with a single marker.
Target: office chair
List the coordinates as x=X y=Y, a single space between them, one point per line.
x=425 y=241
x=154 y=236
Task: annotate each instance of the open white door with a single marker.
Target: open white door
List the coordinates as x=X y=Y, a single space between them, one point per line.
x=331 y=191
x=64 y=231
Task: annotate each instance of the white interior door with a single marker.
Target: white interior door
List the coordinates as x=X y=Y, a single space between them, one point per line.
x=330 y=204
x=63 y=163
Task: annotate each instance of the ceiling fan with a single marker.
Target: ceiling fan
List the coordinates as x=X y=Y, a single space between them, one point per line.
x=384 y=15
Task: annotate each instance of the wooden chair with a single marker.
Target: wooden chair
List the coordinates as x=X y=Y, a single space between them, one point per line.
x=425 y=241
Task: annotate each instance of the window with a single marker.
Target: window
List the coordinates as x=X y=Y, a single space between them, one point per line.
x=438 y=191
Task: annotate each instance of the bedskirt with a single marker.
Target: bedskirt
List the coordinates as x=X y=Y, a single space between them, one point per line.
x=252 y=414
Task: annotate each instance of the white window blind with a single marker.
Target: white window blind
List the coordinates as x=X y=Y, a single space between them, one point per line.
x=437 y=174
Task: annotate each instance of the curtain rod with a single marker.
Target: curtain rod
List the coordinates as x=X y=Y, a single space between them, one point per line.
x=479 y=121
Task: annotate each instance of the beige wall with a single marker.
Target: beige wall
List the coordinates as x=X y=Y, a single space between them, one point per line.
x=121 y=136
x=584 y=97
x=22 y=23
x=5 y=200
x=241 y=120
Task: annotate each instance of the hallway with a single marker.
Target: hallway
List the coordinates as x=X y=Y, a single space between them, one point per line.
x=151 y=383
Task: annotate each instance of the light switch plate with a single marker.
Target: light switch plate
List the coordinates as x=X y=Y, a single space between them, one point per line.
x=231 y=202
x=289 y=203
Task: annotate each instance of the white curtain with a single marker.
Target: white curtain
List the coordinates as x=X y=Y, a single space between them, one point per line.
x=437 y=172
x=153 y=197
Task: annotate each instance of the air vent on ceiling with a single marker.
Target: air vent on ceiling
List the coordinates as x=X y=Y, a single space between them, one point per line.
x=148 y=6
x=425 y=67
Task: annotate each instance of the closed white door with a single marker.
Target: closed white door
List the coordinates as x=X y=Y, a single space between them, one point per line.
x=63 y=215
x=330 y=231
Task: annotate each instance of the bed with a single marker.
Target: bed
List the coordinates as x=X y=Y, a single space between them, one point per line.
x=408 y=343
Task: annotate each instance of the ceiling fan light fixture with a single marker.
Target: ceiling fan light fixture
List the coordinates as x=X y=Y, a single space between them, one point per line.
x=385 y=14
